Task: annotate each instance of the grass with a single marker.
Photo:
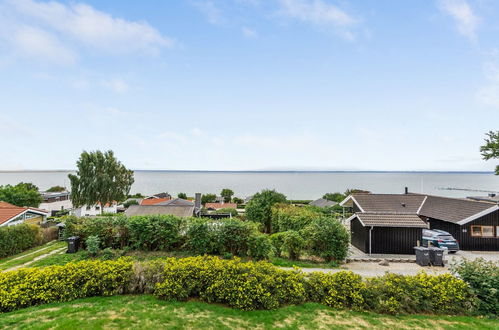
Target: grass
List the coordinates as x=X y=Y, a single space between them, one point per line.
x=61 y=259
x=29 y=255
x=147 y=312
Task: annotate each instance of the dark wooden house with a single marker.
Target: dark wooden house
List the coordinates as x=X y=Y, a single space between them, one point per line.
x=393 y=223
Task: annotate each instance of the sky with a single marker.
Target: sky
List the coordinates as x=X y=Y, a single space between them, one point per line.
x=249 y=84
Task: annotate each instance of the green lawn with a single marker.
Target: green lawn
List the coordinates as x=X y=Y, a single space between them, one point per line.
x=147 y=312
x=29 y=255
x=61 y=259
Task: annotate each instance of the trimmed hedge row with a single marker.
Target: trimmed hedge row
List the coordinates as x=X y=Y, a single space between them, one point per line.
x=242 y=285
x=16 y=239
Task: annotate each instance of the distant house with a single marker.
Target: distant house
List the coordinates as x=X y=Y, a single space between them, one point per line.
x=12 y=215
x=160 y=195
x=95 y=210
x=218 y=206
x=393 y=223
x=54 y=202
x=321 y=202
x=154 y=201
x=493 y=198
x=177 y=207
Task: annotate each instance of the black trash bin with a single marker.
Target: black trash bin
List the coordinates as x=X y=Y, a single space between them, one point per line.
x=436 y=256
x=422 y=255
x=73 y=244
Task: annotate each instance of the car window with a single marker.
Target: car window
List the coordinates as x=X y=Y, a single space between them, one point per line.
x=446 y=237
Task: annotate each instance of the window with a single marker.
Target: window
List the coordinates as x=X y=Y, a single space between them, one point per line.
x=482 y=231
x=476 y=231
x=88 y=208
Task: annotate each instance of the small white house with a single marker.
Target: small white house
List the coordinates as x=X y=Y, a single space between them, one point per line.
x=94 y=210
x=54 y=202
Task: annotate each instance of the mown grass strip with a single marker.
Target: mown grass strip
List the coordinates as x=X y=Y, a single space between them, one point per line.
x=147 y=312
x=20 y=260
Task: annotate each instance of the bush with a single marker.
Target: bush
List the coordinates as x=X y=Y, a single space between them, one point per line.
x=340 y=290
x=234 y=235
x=92 y=243
x=35 y=286
x=328 y=239
x=483 y=277
x=17 y=238
x=441 y=294
x=289 y=242
x=288 y=217
x=246 y=286
x=259 y=208
x=152 y=233
x=202 y=236
x=260 y=246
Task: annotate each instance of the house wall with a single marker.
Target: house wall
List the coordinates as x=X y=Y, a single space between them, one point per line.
x=463 y=233
x=395 y=240
x=56 y=206
x=359 y=235
x=93 y=211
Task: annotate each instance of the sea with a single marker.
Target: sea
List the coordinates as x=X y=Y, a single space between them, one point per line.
x=294 y=184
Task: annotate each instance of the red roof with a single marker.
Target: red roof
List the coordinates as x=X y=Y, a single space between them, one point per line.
x=154 y=201
x=9 y=211
x=218 y=206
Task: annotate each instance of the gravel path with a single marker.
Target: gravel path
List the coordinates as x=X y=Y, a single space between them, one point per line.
x=43 y=256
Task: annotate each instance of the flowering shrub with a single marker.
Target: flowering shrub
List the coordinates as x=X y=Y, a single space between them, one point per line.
x=340 y=290
x=15 y=239
x=243 y=285
x=35 y=286
x=422 y=293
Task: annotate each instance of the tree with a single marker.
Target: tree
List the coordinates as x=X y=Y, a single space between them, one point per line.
x=490 y=150
x=227 y=195
x=182 y=195
x=56 y=189
x=100 y=178
x=238 y=200
x=356 y=191
x=208 y=198
x=22 y=194
x=259 y=208
x=334 y=197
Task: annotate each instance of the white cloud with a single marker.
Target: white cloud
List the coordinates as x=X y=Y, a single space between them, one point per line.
x=172 y=136
x=196 y=131
x=320 y=13
x=249 y=33
x=56 y=32
x=116 y=85
x=36 y=43
x=209 y=10
x=462 y=13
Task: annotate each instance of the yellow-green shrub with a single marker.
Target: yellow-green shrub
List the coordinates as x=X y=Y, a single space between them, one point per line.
x=243 y=285
x=422 y=293
x=35 y=286
x=339 y=290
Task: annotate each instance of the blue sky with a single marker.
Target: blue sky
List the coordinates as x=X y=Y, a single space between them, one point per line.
x=249 y=84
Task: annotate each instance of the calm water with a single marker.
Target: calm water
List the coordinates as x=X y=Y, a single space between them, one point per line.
x=296 y=185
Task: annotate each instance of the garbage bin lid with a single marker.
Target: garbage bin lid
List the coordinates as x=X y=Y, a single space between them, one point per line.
x=421 y=248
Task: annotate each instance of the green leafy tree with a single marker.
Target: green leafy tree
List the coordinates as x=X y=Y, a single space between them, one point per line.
x=356 y=191
x=208 y=198
x=182 y=195
x=490 y=150
x=22 y=194
x=259 y=208
x=56 y=189
x=100 y=177
x=238 y=200
x=327 y=238
x=227 y=195
x=334 y=197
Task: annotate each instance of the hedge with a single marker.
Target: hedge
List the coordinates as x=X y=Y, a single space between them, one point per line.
x=17 y=238
x=35 y=286
x=242 y=285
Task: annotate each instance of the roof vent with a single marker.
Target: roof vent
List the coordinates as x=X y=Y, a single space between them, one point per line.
x=403 y=204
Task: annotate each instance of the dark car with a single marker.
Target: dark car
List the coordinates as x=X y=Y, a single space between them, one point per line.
x=441 y=239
